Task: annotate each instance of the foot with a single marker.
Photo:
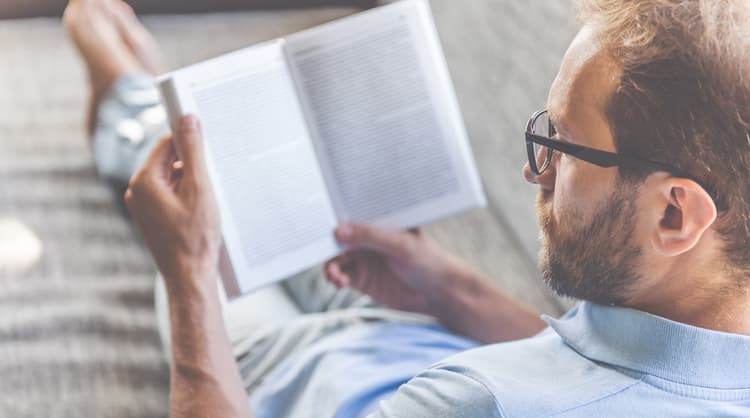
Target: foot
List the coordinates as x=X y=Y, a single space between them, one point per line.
x=140 y=41
x=112 y=43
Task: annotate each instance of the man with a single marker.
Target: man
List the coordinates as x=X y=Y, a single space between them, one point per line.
x=641 y=158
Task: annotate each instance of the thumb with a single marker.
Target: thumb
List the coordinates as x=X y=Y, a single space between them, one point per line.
x=189 y=145
x=392 y=242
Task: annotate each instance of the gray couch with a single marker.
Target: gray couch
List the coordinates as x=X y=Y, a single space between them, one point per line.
x=77 y=331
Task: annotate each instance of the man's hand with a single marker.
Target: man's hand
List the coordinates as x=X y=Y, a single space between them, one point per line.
x=172 y=203
x=400 y=269
x=407 y=271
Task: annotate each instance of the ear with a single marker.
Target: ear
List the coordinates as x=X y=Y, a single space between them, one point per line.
x=687 y=211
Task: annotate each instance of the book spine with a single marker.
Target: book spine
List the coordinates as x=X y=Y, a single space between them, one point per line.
x=171 y=101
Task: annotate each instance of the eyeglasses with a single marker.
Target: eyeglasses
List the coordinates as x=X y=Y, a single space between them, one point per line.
x=540 y=146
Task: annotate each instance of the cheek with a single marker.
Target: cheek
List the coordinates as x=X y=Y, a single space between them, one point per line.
x=566 y=193
x=578 y=188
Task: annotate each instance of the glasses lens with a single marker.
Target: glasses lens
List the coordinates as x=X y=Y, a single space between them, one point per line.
x=543 y=157
x=542 y=127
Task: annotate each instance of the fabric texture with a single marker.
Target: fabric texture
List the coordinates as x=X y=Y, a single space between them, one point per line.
x=595 y=361
x=130 y=119
x=358 y=364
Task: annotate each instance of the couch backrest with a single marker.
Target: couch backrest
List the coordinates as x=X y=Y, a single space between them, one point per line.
x=11 y=9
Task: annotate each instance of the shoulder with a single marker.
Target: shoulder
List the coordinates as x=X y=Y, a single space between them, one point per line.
x=532 y=377
x=441 y=392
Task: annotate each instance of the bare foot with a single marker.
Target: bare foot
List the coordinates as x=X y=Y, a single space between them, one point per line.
x=140 y=41
x=112 y=43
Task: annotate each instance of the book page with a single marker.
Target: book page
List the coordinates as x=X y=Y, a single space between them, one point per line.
x=387 y=126
x=276 y=215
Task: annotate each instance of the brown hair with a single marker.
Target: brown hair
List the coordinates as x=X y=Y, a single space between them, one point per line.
x=684 y=97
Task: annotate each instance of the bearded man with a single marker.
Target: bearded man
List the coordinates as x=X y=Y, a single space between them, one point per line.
x=642 y=159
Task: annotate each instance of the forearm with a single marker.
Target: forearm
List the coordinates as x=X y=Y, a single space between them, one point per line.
x=205 y=381
x=471 y=306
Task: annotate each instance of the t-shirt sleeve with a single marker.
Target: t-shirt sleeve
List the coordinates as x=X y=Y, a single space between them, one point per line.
x=441 y=392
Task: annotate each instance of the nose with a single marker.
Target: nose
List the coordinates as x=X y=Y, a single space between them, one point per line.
x=528 y=175
x=546 y=180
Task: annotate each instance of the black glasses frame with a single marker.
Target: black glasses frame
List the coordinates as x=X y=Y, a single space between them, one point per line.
x=592 y=155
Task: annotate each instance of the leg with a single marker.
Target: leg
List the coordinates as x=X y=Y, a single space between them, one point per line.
x=252 y=314
x=313 y=293
x=125 y=119
x=112 y=44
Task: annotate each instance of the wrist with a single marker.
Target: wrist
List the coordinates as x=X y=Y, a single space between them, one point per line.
x=191 y=277
x=473 y=306
x=457 y=288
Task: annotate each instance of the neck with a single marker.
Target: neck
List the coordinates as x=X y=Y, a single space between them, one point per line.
x=711 y=302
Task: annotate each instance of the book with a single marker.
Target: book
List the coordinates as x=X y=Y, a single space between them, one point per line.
x=355 y=120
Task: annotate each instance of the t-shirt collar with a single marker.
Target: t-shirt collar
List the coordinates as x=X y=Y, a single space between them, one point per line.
x=657 y=346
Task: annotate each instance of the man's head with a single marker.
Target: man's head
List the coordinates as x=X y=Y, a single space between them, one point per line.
x=668 y=81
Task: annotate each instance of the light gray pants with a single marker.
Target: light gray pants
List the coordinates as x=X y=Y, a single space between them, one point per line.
x=267 y=326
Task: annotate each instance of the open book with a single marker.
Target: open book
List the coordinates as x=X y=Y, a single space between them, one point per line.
x=351 y=121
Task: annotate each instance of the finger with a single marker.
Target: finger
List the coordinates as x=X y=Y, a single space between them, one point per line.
x=374 y=238
x=156 y=171
x=346 y=262
x=189 y=144
x=175 y=178
x=162 y=158
x=335 y=275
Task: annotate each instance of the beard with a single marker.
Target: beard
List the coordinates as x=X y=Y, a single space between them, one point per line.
x=591 y=258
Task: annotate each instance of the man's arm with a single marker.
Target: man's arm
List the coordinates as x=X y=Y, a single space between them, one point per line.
x=408 y=271
x=173 y=205
x=470 y=305
x=204 y=377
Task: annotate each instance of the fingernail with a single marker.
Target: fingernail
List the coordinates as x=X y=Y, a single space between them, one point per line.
x=188 y=123
x=345 y=232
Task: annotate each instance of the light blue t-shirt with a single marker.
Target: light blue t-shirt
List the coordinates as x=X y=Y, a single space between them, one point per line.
x=351 y=370
x=595 y=361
